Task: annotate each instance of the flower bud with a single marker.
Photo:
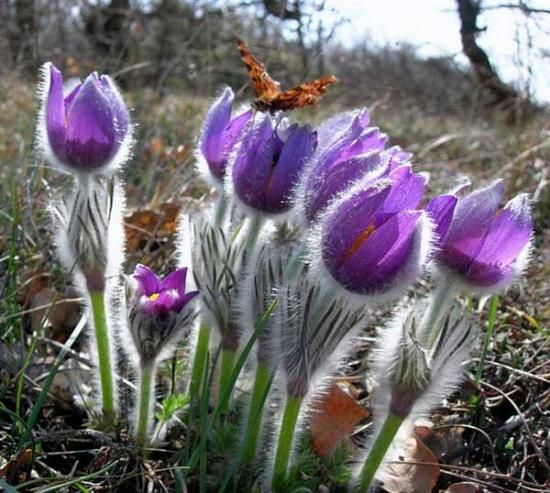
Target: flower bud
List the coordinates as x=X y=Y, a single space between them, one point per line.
x=220 y=133
x=158 y=311
x=487 y=247
x=373 y=241
x=86 y=130
x=269 y=161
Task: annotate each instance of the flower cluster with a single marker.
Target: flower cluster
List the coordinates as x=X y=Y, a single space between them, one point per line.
x=312 y=229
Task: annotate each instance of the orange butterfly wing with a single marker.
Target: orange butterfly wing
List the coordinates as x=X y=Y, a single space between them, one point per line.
x=306 y=94
x=269 y=96
x=264 y=86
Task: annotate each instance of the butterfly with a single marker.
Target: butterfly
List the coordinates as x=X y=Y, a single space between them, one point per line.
x=269 y=96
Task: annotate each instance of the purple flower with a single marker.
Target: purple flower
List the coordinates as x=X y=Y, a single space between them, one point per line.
x=220 y=133
x=269 y=161
x=373 y=239
x=85 y=129
x=158 y=297
x=487 y=246
x=353 y=150
x=158 y=311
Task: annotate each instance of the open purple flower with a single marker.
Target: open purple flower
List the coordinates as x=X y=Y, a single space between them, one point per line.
x=86 y=129
x=269 y=161
x=486 y=247
x=158 y=311
x=373 y=240
x=158 y=297
x=353 y=152
x=220 y=133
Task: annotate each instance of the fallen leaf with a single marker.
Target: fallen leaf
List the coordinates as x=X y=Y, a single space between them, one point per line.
x=16 y=469
x=411 y=476
x=146 y=225
x=334 y=418
x=441 y=441
x=60 y=314
x=464 y=488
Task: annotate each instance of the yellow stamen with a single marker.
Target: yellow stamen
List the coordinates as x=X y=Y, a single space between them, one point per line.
x=359 y=241
x=154 y=296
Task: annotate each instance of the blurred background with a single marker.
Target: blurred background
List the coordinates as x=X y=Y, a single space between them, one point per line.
x=440 y=55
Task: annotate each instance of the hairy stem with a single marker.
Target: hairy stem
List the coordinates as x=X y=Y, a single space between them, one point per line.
x=376 y=455
x=106 y=374
x=286 y=437
x=441 y=300
x=261 y=383
x=147 y=373
x=198 y=371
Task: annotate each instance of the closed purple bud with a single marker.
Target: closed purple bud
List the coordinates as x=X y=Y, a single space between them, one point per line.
x=352 y=152
x=86 y=130
x=373 y=239
x=157 y=310
x=487 y=246
x=268 y=162
x=220 y=133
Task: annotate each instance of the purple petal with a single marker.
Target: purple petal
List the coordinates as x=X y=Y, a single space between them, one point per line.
x=212 y=134
x=508 y=235
x=175 y=280
x=184 y=300
x=371 y=140
x=331 y=129
x=378 y=260
x=297 y=149
x=71 y=97
x=148 y=281
x=353 y=216
x=167 y=301
x=397 y=156
x=91 y=136
x=55 y=113
x=324 y=184
x=473 y=215
x=441 y=210
x=254 y=162
x=121 y=117
x=233 y=131
x=406 y=191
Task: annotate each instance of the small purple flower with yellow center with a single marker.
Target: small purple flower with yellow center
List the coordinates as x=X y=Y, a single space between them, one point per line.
x=353 y=153
x=268 y=163
x=220 y=133
x=374 y=241
x=487 y=247
x=158 y=310
x=86 y=130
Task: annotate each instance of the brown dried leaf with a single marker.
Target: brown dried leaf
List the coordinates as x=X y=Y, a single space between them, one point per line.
x=418 y=473
x=15 y=470
x=335 y=417
x=441 y=441
x=62 y=315
x=147 y=225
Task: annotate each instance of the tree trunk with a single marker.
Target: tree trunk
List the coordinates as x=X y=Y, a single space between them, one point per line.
x=485 y=73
